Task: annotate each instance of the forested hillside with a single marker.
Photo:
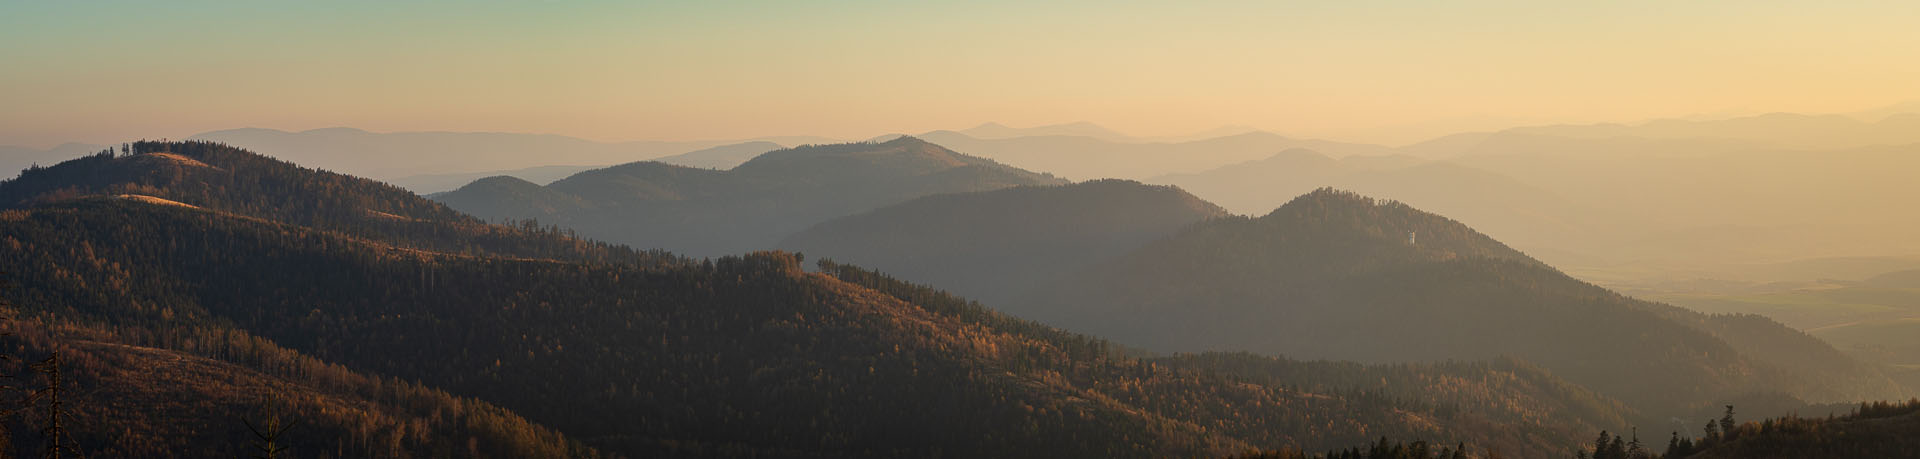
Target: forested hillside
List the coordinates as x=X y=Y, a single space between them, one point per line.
x=202 y=390
x=1505 y=404
x=632 y=353
x=706 y=213
x=219 y=177
x=1877 y=429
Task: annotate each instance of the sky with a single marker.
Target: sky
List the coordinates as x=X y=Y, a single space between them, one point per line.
x=1376 y=71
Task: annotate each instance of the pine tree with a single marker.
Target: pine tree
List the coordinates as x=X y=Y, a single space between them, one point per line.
x=1634 y=448
x=1600 y=445
x=1726 y=423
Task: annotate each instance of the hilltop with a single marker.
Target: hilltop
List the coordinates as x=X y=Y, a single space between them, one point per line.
x=706 y=212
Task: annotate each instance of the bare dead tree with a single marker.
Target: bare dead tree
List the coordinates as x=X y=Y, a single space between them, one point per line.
x=267 y=435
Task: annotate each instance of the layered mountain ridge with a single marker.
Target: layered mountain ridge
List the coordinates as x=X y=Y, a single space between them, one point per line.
x=639 y=353
x=705 y=212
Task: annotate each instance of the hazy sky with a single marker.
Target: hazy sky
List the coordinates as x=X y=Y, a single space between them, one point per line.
x=111 y=71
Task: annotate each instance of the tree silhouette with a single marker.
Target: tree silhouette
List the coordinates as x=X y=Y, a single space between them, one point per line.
x=1726 y=422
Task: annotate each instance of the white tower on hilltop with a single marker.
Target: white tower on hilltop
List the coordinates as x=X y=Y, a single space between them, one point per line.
x=1411 y=237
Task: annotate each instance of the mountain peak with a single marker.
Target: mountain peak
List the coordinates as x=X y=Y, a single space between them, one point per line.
x=1347 y=215
x=335 y=130
x=709 y=212
x=904 y=139
x=1332 y=196
x=905 y=153
x=501 y=181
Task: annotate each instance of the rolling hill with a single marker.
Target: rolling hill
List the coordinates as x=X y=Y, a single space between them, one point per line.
x=995 y=245
x=1335 y=275
x=437 y=183
x=720 y=157
x=195 y=395
x=705 y=213
x=1518 y=213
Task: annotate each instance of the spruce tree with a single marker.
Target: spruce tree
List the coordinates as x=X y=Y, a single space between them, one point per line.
x=1726 y=422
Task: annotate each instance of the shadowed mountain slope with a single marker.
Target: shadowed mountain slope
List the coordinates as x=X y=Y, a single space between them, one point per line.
x=1339 y=276
x=994 y=245
x=194 y=395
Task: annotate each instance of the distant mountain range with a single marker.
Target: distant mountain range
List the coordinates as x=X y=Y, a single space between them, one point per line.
x=15 y=159
x=1620 y=202
x=437 y=183
x=1095 y=131
x=389 y=155
x=1329 y=275
x=1497 y=204
x=720 y=157
x=1080 y=129
x=1086 y=158
x=1616 y=209
x=706 y=212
